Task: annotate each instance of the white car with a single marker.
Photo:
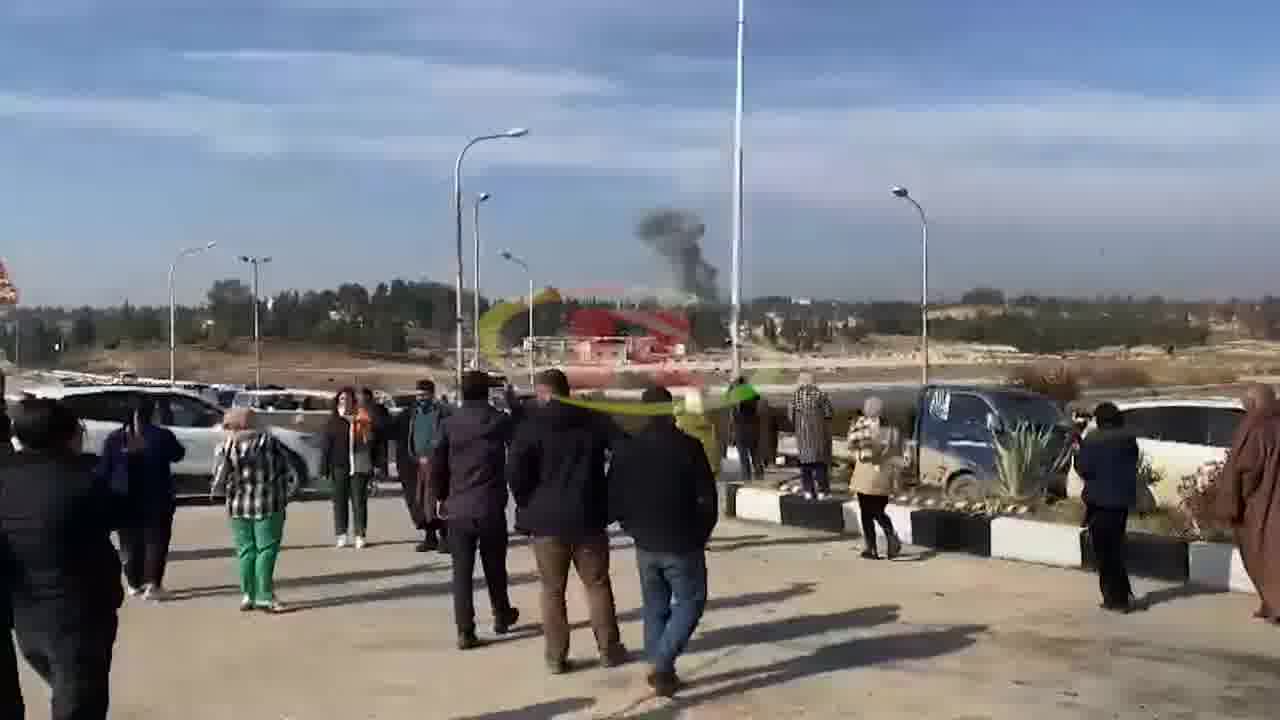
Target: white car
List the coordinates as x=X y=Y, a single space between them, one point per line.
x=196 y=422
x=1180 y=436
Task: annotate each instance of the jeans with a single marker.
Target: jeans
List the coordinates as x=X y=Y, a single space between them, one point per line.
x=590 y=557
x=871 y=508
x=490 y=538
x=76 y=662
x=746 y=438
x=815 y=478
x=350 y=498
x=145 y=547
x=257 y=548
x=674 y=591
x=1107 y=535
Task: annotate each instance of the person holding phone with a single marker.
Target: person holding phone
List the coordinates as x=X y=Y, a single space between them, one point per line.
x=137 y=464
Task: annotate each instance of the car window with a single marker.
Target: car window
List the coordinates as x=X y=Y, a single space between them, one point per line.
x=244 y=400
x=101 y=406
x=1170 y=423
x=968 y=410
x=182 y=411
x=1222 y=424
x=1032 y=409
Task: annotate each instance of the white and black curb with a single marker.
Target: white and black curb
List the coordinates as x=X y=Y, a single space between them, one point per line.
x=1210 y=565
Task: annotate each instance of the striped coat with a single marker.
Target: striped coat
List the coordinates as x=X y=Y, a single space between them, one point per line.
x=811 y=414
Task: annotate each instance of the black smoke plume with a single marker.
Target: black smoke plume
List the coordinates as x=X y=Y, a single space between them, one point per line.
x=677 y=235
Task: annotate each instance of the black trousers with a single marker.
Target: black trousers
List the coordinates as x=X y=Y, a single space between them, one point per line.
x=76 y=662
x=1107 y=535
x=145 y=547
x=746 y=438
x=489 y=537
x=871 y=509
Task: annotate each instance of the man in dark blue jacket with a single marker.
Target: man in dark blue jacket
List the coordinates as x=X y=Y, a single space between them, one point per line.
x=468 y=474
x=137 y=464
x=1108 y=463
x=662 y=490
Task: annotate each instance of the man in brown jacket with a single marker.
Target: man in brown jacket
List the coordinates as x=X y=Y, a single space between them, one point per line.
x=1249 y=497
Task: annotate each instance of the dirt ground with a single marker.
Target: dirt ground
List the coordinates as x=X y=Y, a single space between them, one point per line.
x=798 y=627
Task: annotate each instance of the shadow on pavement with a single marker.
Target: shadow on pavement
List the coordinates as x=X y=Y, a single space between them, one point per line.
x=227 y=552
x=729 y=544
x=541 y=711
x=832 y=658
x=1174 y=592
x=311 y=580
x=403 y=591
x=793 y=628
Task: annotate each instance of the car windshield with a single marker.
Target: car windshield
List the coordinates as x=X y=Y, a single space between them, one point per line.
x=1018 y=408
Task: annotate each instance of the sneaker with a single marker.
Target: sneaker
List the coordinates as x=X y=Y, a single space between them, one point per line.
x=360 y=542
x=664 y=684
x=824 y=496
x=154 y=593
x=895 y=546
x=503 y=624
x=427 y=545
x=615 y=656
x=273 y=606
x=134 y=592
x=810 y=496
x=468 y=641
x=557 y=667
x=246 y=603
x=870 y=554
x=343 y=541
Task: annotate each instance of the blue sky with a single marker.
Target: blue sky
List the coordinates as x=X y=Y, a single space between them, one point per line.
x=1080 y=148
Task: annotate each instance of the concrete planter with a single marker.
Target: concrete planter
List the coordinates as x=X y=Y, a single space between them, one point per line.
x=952 y=531
x=1036 y=542
x=1218 y=566
x=728 y=498
x=900 y=515
x=759 y=505
x=797 y=511
x=1151 y=556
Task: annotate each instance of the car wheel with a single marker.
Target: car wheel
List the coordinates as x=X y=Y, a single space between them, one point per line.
x=965 y=487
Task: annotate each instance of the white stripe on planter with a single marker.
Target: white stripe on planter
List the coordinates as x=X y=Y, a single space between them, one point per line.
x=1219 y=566
x=756 y=504
x=852 y=521
x=1037 y=542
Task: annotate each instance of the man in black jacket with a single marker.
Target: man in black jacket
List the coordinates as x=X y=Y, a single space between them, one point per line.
x=61 y=572
x=557 y=476
x=1108 y=463
x=467 y=471
x=662 y=490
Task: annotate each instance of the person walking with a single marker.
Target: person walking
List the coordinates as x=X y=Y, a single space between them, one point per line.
x=1249 y=496
x=875 y=445
x=745 y=416
x=137 y=463
x=346 y=459
x=1107 y=462
x=417 y=434
x=468 y=467
x=810 y=413
x=663 y=492
x=380 y=424
x=556 y=472
x=61 y=572
x=258 y=476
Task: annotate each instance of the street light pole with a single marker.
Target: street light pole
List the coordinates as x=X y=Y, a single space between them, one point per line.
x=256 y=262
x=736 y=280
x=901 y=192
x=460 y=359
x=506 y=255
x=475 y=292
x=173 y=305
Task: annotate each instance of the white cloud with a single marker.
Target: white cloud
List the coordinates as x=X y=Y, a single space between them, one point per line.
x=1065 y=156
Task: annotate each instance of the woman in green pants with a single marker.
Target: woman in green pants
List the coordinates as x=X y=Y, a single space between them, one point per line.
x=258 y=476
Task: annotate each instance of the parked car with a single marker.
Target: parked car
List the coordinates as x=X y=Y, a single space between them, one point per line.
x=1179 y=436
x=195 y=421
x=956 y=429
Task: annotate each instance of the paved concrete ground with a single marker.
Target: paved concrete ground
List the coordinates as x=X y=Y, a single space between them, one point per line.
x=799 y=627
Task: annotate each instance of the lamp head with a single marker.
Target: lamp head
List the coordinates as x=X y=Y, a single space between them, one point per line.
x=899 y=191
x=516 y=132
x=505 y=255
x=245 y=259
x=211 y=245
x=482 y=197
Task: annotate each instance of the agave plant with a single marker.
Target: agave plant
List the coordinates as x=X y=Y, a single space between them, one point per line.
x=1025 y=458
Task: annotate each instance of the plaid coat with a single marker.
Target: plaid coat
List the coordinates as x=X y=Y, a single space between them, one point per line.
x=257 y=474
x=811 y=414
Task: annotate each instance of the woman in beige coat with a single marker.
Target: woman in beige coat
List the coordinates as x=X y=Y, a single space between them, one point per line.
x=875 y=448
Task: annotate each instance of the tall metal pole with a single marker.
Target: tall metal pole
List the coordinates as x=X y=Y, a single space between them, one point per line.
x=532 y=348
x=475 y=292
x=736 y=289
x=460 y=358
x=173 y=312
x=924 y=294
x=257 y=333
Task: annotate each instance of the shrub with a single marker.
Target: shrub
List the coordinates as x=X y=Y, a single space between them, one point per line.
x=1197 y=498
x=1024 y=460
x=1056 y=381
x=1115 y=375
